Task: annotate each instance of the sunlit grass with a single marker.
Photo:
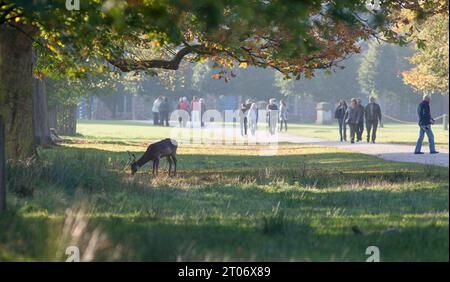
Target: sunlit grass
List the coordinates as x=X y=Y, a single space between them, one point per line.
x=129 y=131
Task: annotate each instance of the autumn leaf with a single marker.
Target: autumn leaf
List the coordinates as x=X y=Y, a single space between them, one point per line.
x=243 y=65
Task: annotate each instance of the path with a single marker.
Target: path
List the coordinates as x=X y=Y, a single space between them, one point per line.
x=387 y=151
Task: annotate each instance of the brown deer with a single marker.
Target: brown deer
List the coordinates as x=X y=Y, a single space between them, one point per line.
x=156 y=151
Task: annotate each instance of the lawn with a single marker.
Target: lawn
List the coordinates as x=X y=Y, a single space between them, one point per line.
x=126 y=131
x=227 y=203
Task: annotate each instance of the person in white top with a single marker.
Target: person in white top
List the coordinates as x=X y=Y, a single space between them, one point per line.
x=252 y=118
x=155 y=110
x=283 y=115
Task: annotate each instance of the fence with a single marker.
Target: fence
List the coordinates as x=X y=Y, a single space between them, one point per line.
x=444 y=118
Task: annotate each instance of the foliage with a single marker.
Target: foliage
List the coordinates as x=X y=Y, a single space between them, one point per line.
x=286 y=86
x=303 y=35
x=368 y=69
x=431 y=63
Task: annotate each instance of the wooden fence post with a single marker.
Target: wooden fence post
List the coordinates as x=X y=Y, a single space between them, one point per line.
x=2 y=168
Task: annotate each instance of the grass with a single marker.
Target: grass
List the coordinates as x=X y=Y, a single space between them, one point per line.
x=390 y=133
x=227 y=203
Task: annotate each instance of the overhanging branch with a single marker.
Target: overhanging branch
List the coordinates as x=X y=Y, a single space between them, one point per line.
x=127 y=65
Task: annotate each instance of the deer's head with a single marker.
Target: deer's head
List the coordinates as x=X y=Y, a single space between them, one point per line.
x=133 y=164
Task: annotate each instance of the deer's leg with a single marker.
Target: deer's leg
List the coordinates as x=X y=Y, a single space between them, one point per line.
x=174 y=158
x=154 y=166
x=157 y=165
x=170 y=164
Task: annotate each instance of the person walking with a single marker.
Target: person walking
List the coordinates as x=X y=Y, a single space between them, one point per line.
x=339 y=114
x=372 y=114
x=252 y=117
x=360 y=127
x=183 y=105
x=272 y=114
x=351 y=118
x=195 y=112
x=155 y=110
x=164 y=112
x=202 y=105
x=283 y=115
x=243 y=118
x=425 y=122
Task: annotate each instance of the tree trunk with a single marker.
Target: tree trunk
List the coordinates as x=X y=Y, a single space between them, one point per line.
x=16 y=102
x=41 y=113
x=2 y=168
x=52 y=118
x=67 y=119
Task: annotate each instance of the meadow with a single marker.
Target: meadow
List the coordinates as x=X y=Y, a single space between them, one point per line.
x=228 y=203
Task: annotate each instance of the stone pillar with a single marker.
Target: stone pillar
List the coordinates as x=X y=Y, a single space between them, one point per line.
x=324 y=113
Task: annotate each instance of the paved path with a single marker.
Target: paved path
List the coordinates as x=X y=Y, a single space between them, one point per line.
x=387 y=151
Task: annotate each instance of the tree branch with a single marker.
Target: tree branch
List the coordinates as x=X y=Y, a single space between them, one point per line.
x=127 y=65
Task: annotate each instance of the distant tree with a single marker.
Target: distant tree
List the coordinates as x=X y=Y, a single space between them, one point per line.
x=368 y=71
x=286 y=85
x=431 y=62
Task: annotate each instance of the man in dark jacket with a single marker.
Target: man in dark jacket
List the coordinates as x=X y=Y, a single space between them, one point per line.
x=372 y=114
x=339 y=114
x=425 y=122
x=360 y=125
x=351 y=118
x=164 y=112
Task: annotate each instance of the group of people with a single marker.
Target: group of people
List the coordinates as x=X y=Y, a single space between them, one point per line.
x=248 y=116
x=195 y=108
x=161 y=110
x=355 y=116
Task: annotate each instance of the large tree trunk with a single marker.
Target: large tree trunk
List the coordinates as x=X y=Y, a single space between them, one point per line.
x=41 y=113
x=16 y=102
x=2 y=168
x=40 y=109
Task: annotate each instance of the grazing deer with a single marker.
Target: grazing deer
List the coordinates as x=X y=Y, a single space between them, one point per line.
x=156 y=151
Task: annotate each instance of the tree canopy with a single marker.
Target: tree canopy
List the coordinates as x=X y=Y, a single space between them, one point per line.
x=293 y=37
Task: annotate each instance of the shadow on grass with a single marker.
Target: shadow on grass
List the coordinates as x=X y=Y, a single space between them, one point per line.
x=144 y=239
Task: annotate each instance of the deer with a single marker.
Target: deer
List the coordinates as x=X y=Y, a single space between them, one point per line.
x=156 y=151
